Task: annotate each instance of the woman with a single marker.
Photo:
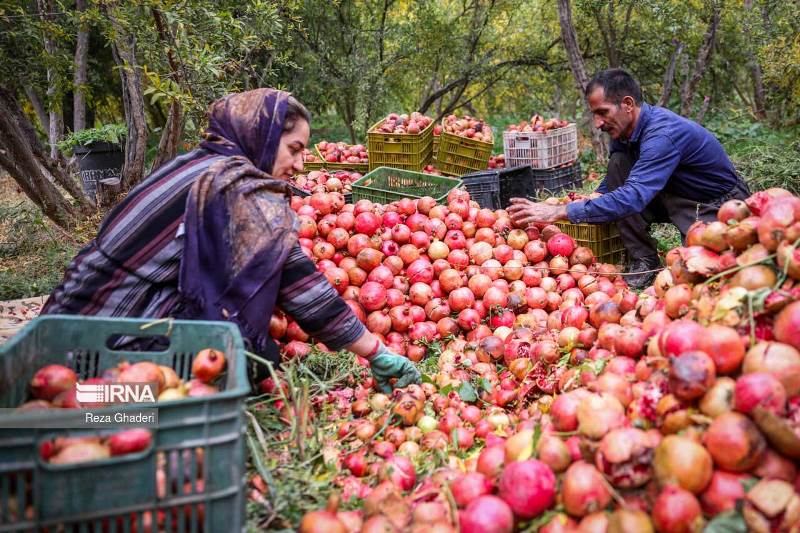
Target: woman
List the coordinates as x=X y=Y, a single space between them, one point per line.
x=210 y=236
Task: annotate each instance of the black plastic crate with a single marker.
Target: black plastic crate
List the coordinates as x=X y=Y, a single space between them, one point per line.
x=555 y=180
x=484 y=188
x=516 y=182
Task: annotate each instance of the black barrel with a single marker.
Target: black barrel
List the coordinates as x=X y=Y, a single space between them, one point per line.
x=99 y=162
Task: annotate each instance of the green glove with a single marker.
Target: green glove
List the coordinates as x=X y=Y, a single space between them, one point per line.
x=386 y=365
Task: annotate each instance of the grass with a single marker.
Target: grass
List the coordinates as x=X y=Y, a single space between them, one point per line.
x=33 y=253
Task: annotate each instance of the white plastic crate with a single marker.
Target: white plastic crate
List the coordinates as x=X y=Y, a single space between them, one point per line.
x=541 y=149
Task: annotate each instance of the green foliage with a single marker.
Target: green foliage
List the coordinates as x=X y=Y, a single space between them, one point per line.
x=763 y=155
x=112 y=133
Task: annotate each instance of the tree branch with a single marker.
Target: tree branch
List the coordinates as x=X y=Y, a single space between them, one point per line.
x=669 y=75
x=701 y=64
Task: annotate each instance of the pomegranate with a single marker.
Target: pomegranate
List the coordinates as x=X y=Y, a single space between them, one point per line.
x=722 y=493
x=583 y=490
x=759 y=389
x=735 y=443
x=780 y=360
x=683 y=461
x=560 y=244
x=208 y=364
x=82 y=451
x=528 y=487
x=130 y=441
x=323 y=521
x=467 y=487
x=487 y=514
x=52 y=380
x=691 y=374
x=676 y=510
x=624 y=457
x=148 y=372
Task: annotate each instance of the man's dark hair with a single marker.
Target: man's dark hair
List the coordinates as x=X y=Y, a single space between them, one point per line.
x=616 y=84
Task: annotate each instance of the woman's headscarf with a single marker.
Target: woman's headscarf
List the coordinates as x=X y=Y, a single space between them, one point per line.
x=248 y=124
x=239 y=226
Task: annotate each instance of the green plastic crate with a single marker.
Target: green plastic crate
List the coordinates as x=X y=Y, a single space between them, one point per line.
x=435 y=146
x=603 y=239
x=406 y=151
x=461 y=155
x=197 y=438
x=362 y=168
x=385 y=185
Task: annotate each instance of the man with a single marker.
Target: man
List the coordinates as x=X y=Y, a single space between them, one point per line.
x=662 y=168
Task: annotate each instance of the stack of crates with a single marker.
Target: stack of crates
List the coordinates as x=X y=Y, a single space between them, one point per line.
x=493 y=189
x=405 y=151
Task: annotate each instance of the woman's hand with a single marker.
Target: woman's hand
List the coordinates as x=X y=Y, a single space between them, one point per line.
x=525 y=212
x=386 y=365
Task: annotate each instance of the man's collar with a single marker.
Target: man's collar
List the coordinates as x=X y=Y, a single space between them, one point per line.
x=644 y=115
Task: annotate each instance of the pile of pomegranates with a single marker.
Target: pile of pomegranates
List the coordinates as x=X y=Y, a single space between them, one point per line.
x=324 y=181
x=310 y=157
x=341 y=152
x=71 y=450
x=467 y=126
x=538 y=123
x=53 y=386
x=411 y=124
x=554 y=397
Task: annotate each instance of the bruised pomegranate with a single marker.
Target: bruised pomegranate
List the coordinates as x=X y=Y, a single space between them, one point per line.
x=691 y=374
x=625 y=456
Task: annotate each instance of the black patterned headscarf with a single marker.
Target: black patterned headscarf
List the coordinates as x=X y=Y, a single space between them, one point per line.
x=248 y=124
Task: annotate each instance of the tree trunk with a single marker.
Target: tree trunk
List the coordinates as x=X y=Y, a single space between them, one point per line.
x=701 y=64
x=669 y=75
x=173 y=128
x=55 y=119
x=81 y=72
x=54 y=170
x=17 y=158
x=123 y=49
x=759 y=108
x=38 y=107
x=570 y=39
x=170 y=137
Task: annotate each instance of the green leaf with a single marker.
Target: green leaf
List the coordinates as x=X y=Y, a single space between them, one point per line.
x=748 y=483
x=537 y=434
x=730 y=522
x=447 y=389
x=485 y=384
x=467 y=392
x=426 y=379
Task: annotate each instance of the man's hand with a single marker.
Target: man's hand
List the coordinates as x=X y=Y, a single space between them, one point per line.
x=525 y=212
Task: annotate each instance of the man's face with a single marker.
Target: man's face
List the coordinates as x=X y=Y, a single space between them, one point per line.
x=615 y=119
